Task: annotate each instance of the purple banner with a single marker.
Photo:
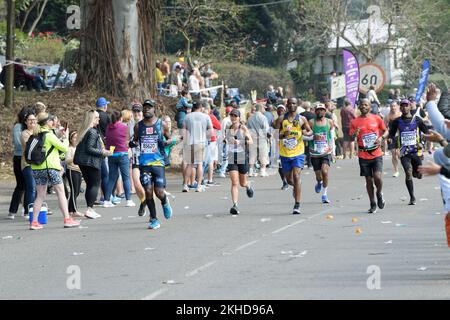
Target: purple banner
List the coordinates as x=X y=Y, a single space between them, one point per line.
x=351 y=71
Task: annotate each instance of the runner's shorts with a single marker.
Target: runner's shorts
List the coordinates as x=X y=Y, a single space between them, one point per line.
x=411 y=160
x=47 y=177
x=155 y=175
x=317 y=162
x=288 y=164
x=238 y=162
x=369 y=167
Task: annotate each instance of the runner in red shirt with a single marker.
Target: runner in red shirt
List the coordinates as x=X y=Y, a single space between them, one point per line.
x=369 y=130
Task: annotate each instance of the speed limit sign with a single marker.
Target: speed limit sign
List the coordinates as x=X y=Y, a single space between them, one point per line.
x=371 y=74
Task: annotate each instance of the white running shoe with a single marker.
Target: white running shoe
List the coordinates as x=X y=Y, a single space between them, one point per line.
x=108 y=204
x=91 y=214
x=264 y=174
x=130 y=203
x=396 y=174
x=222 y=175
x=10 y=216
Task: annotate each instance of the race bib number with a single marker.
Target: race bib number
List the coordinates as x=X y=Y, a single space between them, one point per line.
x=408 y=138
x=290 y=143
x=149 y=146
x=320 y=143
x=369 y=140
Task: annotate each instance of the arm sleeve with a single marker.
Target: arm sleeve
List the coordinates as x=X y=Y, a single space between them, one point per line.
x=437 y=119
x=421 y=125
x=215 y=123
x=445 y=172
x=393 y=127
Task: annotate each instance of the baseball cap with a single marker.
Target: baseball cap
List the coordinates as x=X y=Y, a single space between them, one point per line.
x=281 y=106
x=228 y=109
x=320 y=106
x=389 y=101
x=149 y=102
x=412 y=97
x=404 y=101
x=101 y=102
x=136 y=107
x=235 y=112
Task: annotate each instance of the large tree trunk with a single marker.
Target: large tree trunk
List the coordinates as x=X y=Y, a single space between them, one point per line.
x=118 y=39
x=9 y=77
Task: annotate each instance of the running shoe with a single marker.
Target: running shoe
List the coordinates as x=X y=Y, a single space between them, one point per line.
x=412 y=201
x=70 y=223
x=154 y=224
x=222 y=175
x=108 y=204
x=250 y=191
x=325 y=199
x=36 y=225
x=185 y=188
x=121 y=196
x=285 y=186
x=296 y=209
x=380 y=200
x=77 y=215
x=91 y=214
x=167 y=210
x=116 y=200
x=193 y=186
x=130 y=203
x=373 y=207
x=10 y=216
x=234 y=210
x=318 y=187
x=396 y=174
x=141 y=211
x=201 y=188
x=212 y=183
x=264 y=174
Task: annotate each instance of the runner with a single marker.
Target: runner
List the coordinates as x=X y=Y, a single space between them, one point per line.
x=135 y=153
x=321 y=148
x=238 y=138
x=369 y=130
x=408 y=141
x=281 y=109
x=148 y=134
x=292 y=148
x=393 y=114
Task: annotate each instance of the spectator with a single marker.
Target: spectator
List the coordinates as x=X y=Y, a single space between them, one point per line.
x=176 y=78
x=105 y=120
x=49 y=172
x=183 y=108
x=211 y=155
x=347 y=115
x=270 y=95
x=159 y=78
x=89 y=157
x=30 y=185
x=117 y=136
x=165 y=69
x=73 y=174
x=194 y=84
x=269 y=114
x=259 y=130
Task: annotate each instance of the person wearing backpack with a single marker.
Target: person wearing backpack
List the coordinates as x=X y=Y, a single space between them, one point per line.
x=46 y=166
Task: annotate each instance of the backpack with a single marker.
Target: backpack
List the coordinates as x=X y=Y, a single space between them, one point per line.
x=35 y=151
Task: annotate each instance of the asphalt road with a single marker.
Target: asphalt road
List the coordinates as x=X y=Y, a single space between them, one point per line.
x=264 y=253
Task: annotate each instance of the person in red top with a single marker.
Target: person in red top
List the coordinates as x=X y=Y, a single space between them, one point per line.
x=211 y=151
x=369 y=130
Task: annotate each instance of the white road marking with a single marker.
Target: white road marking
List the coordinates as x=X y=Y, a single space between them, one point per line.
x=199 y=269
x=300 y=221
x=246 y=245
x=155 y=294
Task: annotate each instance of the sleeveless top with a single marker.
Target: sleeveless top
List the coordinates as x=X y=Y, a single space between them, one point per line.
x=320 y=145
x=237 y=153
x=151 y=144
x=292 y=145
x=409 y=137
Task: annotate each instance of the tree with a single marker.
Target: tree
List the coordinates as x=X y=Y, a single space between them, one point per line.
x=118 y=39
x=9 y=87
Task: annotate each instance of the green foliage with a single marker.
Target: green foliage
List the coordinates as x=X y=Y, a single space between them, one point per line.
x=20 y=40
x=43 y=48
x=247 y=77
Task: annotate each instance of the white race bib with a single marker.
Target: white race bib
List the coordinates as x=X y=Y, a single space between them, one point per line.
x=408 y=138
x=320 y=143
x=290 y=143
x=369 y=140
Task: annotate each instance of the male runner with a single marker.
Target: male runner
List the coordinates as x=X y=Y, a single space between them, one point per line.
x=393 y=114
x=148 y=135
x=408 y=141
x=292 y=147
x=369 y=129
x=320 y=149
